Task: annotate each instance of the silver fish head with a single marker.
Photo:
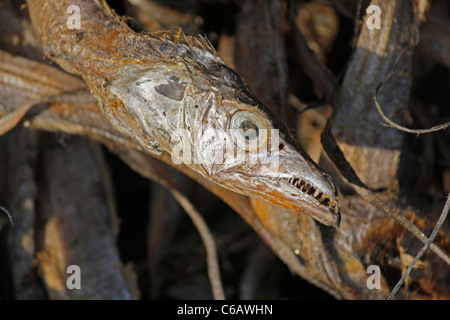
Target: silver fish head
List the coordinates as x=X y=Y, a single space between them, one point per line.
x=255 y=156
x=192 y=105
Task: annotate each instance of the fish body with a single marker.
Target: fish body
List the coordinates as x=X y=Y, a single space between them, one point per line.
x=192 y=105
x=172 y=93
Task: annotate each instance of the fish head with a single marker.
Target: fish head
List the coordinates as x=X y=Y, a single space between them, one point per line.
x=195 y=103
x=261 y=159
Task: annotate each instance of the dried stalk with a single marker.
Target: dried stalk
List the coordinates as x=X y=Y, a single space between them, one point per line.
x=376 y=201
x=389 y=122
x=424 y=249
x=10 y=120
x=335 y=153
x=150 y=169
x=8 y=215
x=208 y=241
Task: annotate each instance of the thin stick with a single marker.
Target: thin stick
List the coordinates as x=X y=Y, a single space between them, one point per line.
x=208 y=241
x=337 y=156
x=10 y=120
x=374 y=199
x=7 y=214
x=389 y=122
x=153 y=171
x=212 y=261
x=424 y=249
x=356 y=26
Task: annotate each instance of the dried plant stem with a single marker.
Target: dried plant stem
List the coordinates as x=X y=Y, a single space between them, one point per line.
x=203 y=229
x=7 y=214
x=10 y=120
x=356 y=25
x=337 y=156
x=389 y=122
x=154 y=172
x=379 y=203
x=424 y=249
x=208 y=241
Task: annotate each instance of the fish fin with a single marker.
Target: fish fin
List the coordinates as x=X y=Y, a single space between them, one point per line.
x=179 y=37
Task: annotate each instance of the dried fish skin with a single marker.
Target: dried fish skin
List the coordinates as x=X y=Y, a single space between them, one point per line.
x=166 y=89
x=196 y=117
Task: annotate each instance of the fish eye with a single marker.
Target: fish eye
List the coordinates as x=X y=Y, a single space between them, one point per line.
x=248 y=130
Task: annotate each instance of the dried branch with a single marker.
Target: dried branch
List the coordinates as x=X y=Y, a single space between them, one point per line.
x=208 y=241
x=389 y=122
x=267 y=75
x=10 y=120
x=73 y=227
x=337 y=156
x=368 y=195
x=424 y=249
x=155 y=172
x=356 y=24
x=7 y=214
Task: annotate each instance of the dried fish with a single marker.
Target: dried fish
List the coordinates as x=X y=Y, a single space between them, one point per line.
x=172 y=93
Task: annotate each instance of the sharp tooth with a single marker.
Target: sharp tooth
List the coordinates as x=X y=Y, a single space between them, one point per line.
x=316 y=194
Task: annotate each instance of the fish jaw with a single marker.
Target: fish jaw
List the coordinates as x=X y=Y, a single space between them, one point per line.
x=290 y=179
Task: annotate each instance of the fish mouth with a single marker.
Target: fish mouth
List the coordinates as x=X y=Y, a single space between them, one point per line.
x=329 y=202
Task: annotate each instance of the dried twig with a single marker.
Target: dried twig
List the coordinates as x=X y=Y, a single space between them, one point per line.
x=356 y=25
x=390 y=212
x=157 y=175
x=389 y=122
x=335 y=153
x=208 y=241
x=7 y=214
x=424 y=249
x=10 y=120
